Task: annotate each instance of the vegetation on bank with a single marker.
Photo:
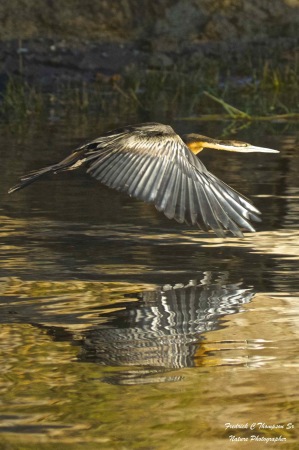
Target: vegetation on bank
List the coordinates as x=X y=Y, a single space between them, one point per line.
x=269 y=92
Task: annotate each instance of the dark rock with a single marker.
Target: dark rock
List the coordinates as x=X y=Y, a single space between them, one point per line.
x=46 y=41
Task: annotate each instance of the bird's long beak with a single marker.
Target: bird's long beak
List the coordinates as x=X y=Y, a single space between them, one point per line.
x=238 y=146
x=197 y=142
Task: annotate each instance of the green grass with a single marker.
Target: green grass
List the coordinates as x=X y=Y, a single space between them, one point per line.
x=206 y=92
x=20 y=100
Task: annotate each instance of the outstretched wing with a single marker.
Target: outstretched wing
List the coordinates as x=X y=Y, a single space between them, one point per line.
x=152 y=163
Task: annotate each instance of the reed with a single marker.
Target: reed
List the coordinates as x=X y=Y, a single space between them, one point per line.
x=203 y=92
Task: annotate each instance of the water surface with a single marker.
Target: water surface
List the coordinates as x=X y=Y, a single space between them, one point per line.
x=121 y=329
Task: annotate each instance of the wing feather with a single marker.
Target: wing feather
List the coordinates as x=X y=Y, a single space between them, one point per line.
x=157 y=167
x=140 y=183
x=205 y=217
x=154 y=181
x=221 y=214
x=126 y=171
x=165 y=192
x=250 y=210
x=179 y=215
x=130 y=176
x=234 y=213
x=191 y=208
x=105 y=163
x=117 y=177
x=170 y=208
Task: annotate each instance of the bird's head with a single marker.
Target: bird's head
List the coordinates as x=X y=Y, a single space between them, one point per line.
x=197 y=142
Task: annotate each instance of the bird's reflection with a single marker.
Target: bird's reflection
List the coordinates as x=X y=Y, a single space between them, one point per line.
x=163 y=330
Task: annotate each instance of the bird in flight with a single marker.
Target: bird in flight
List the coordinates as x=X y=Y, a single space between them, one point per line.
x=150 y=162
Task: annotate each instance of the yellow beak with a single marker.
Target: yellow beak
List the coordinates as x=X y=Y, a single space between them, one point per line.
x=242 y=147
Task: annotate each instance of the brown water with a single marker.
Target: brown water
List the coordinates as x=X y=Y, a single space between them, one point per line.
x=123 y=330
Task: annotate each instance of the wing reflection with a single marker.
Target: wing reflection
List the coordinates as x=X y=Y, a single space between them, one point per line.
x=163 y=329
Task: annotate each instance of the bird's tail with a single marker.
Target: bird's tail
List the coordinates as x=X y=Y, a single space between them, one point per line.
x=30 y=178
x=71 y=162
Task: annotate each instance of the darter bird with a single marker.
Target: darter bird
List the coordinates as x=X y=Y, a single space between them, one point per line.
x=150 y=162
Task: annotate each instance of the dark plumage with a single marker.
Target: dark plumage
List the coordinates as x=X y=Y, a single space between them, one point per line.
x=152 y=163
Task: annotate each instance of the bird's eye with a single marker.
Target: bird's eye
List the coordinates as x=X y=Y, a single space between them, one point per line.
x=238 y=143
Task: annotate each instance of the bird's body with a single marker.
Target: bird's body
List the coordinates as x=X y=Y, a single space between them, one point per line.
x=152 y=163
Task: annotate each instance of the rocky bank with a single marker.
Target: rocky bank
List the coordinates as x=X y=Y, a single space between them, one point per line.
x=46 y=41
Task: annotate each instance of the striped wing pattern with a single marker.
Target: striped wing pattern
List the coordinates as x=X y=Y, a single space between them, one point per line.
x=159 y=168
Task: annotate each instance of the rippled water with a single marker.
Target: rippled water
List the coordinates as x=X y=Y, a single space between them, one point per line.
x=121 y=329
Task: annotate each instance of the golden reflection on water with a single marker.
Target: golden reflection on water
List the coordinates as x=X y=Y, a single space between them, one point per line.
x=48 y=398
x=244 y=372
x=51 y=379
x=71 y=303
x=97 y=353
